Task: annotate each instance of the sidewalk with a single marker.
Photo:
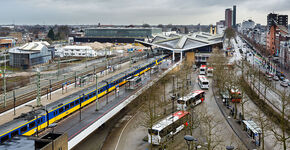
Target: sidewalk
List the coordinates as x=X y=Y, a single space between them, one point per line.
x=9 y=115
x=285 y=71
x=237 y=128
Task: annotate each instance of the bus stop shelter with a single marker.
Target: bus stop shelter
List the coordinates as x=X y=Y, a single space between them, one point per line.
x=253 y=131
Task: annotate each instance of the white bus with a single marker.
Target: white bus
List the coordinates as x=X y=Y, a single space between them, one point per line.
x=210 y=71
x=167 y=127
x=203 y=82
x=202 y=70
x=192 y=99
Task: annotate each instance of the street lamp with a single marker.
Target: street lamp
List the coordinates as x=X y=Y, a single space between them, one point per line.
x=52 y=126
x=189 y=139
x=230 y=147
x=172 y=99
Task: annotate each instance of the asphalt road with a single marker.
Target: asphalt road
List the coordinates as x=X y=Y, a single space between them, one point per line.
x=128 y=133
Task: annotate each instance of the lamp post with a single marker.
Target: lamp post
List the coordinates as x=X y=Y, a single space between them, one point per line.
x=4 y=79
x=38 y=88
x=172 y=99
x=230 y=147
x=189 y=139
x=52 y=126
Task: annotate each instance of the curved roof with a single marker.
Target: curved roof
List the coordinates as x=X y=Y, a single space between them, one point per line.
x=34 y=46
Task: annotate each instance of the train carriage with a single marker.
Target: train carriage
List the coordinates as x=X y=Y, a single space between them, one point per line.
x=66 y=106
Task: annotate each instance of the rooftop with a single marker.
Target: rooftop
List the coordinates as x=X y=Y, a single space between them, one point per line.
x=34 y=46
x=77 y=47
x=184 y=42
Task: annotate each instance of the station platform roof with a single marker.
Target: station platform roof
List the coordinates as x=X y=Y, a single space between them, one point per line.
x=180 y=43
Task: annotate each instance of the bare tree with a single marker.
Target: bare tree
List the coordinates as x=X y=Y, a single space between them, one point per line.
x=282 y=137
x=263 y=122
x=211 y=130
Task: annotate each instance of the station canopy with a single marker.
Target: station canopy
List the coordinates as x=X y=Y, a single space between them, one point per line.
x=179 y=43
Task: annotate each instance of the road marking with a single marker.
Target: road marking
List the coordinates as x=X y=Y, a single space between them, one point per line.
x=125 y=128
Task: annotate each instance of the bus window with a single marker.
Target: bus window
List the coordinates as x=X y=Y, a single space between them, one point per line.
x=180 y=102
x=152 y=131
x=188 y=103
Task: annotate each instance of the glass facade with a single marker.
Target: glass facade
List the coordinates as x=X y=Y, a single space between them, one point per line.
x=122 y=32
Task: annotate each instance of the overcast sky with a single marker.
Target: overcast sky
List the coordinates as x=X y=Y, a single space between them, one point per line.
x=135 y=11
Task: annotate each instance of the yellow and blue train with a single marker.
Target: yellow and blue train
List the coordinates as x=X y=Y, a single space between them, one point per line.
x=22 y=126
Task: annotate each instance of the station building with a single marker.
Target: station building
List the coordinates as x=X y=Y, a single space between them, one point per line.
x=30 y=54
x=117 y=35
x=196 y=47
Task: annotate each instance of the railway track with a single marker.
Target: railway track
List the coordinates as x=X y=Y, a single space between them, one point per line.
x=24 y=98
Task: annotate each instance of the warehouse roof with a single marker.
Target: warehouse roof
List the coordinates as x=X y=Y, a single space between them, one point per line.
x=34 y=46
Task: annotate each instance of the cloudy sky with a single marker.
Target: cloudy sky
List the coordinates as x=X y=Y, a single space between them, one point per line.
x=135 y=11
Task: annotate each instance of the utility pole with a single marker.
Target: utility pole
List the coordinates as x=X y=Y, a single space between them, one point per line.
x=75 y=79
x=86 y=58
x=14 y=100
x=97 y=100
x=50 y=89
x=58 y=67
x=4 y=80
x=38 y=88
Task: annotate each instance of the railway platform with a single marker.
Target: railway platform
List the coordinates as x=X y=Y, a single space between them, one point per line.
x=57 y=95
x=82 y=123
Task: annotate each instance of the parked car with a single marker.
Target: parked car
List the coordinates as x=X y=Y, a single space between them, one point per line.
x=268 y=77
x=276 y=78
x=280 y=75
x=284 y=83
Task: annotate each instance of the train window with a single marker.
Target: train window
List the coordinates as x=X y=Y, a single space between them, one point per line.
x=66 y=107
x=31 y=125
x=82 y=99
x=77 y=102
x=90 y=95
x=71 y=104
x=38 y=121
x=23 y=129
x=61 y=110
x=54 y=113
x=5 y=138
x=14 y=133
x=86 y=97
x=41 y=119
x=94 y=93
